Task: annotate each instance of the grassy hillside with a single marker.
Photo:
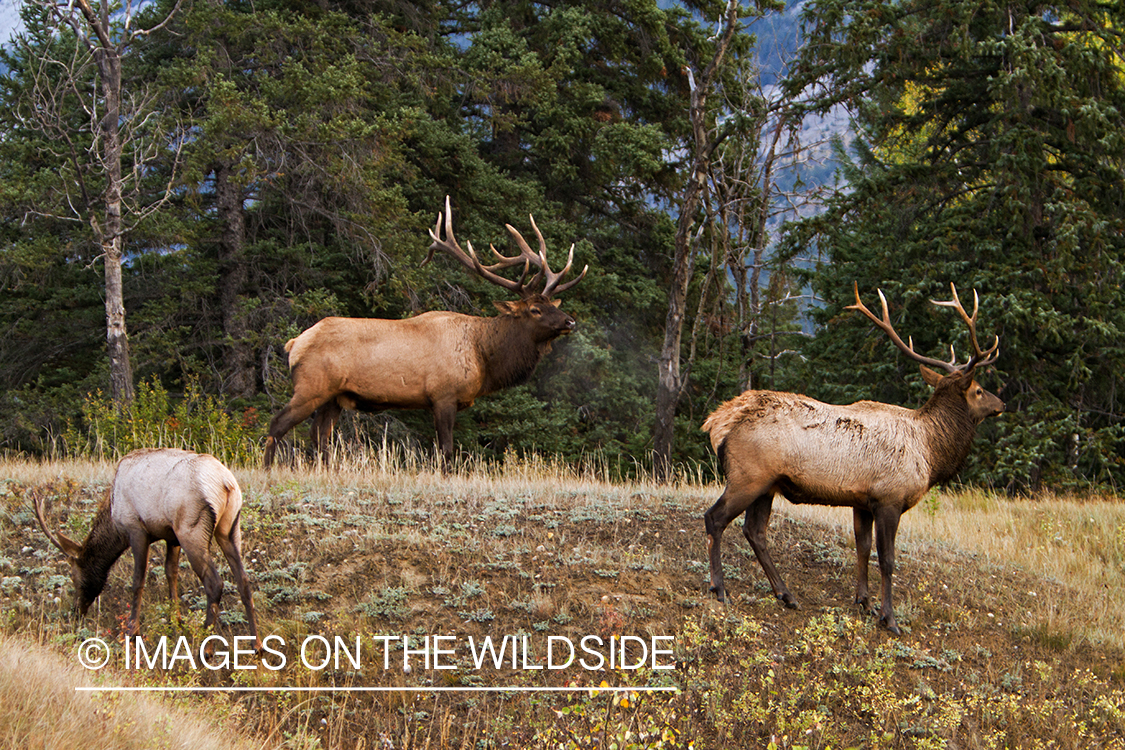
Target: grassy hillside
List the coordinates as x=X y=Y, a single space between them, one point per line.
x=1013 y=615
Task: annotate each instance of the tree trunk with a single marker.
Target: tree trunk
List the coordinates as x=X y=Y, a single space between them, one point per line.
x=238 y=360
x=670 y=385
x=109 y=232
x=117 y=337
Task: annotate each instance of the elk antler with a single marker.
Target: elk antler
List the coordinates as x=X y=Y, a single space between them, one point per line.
x=553 y=279
x=526 y=258
x=978 y=358
x=67 y=546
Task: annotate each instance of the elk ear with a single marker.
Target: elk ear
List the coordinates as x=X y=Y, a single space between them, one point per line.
x=508 y=308
x=556 y=302
x=70 y=548
x=931 y=377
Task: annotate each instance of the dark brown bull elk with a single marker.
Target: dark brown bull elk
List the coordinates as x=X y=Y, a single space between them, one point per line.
x=441 y=361
x=877 y=458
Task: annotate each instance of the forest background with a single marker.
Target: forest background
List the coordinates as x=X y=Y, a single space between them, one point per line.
x=251 y=167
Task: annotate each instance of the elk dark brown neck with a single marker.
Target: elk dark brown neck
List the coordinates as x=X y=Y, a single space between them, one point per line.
x=104 y=544
x=950 y=430
x=510 y=349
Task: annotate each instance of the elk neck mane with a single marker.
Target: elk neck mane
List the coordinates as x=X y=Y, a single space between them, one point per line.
x=510 y=350
x=103 y=546
x=950 y=430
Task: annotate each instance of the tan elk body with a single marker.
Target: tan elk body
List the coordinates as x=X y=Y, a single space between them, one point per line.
x=180 y=497
x=441 y=361
x=878 y=459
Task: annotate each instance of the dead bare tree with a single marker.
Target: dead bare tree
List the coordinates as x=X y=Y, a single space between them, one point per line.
x=741 y=142
x=117 y=119
x=670 y=383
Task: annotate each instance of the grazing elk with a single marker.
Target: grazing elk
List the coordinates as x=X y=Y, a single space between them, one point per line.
x=441 y=361
x=877 y=458
x=181 y=497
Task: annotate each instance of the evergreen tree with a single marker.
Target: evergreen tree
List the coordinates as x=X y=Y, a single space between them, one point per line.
x=990 y=154
x=294 y=207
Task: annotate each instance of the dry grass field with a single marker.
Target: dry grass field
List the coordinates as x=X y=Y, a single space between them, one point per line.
x=1013 y=614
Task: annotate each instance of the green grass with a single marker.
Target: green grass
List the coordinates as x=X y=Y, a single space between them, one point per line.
x=1011 y=612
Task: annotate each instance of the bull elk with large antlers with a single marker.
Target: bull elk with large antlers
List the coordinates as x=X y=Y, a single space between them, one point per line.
x=877 y=458
x=441 y=361
x=181 y=497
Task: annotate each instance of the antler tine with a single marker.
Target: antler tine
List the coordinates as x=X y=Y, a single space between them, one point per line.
x=506 y=262
x=955 y=303
x=553 y=279
x=979 y=357
x=37 y=502
x=526 y=256
x=449 y=244
x=560 y=288
x=469 y=260
x=887 y=328
x=435 y=234
x=551 y=285
x=951 y=364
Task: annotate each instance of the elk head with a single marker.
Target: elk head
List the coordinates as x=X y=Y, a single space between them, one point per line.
x=548 y=320
x=87 y=587
x=958 y=377
x=535 y=305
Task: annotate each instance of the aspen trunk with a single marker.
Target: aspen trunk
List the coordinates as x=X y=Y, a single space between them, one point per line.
x=109 y=232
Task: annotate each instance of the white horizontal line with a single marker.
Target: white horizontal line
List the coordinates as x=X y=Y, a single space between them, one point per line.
x=245 y=689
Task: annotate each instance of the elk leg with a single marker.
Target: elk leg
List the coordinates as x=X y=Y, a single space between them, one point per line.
x=714 y=521
x=138 y=542
x=196 y=541
x=862 y=520
x=754 y=529
x=444 y=416
x=292 y=414
x=886 y=526
x=324 y=420
x=172 y=573
x=719 y=516
x=232 y=549
x=204 y=567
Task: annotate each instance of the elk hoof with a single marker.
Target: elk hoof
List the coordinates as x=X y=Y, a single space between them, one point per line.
x=720 y=593
x=788 y=600
x=890 y=625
